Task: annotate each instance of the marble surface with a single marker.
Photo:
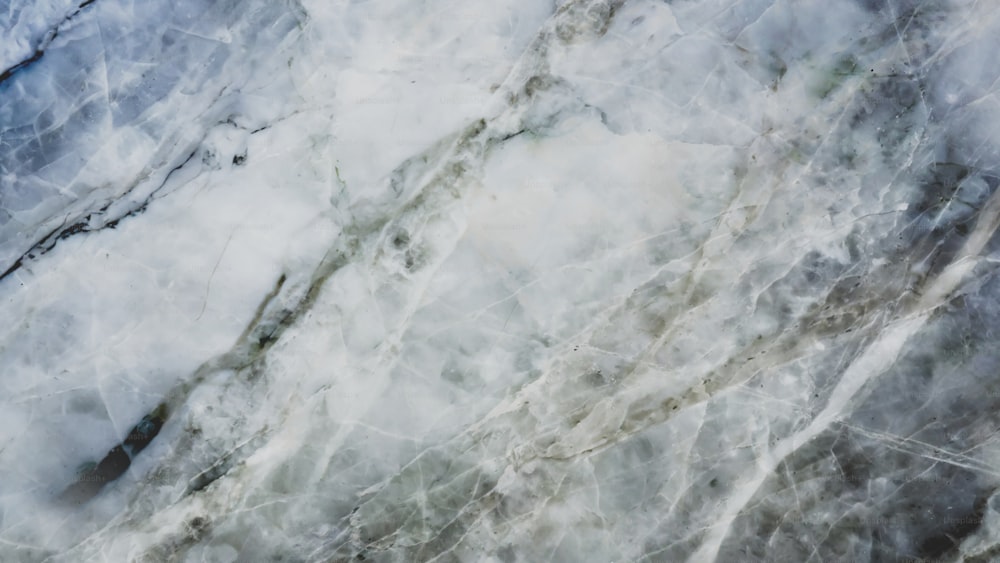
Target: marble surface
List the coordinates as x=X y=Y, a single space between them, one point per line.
x=511 y=281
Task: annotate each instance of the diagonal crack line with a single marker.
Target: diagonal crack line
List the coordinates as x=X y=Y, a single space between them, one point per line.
x=49 y=241
x=43 y=44
x=288 y=302
x=925 y=450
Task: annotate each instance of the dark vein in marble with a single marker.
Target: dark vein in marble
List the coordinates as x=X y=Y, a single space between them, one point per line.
x=84 y=225
x=47 y=40
x=117 y=460
x=281 y=308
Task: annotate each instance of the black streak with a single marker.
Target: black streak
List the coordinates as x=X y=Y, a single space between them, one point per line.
x=49 y=241
x=10 y=71
x=512 y=135
x=118 y=459
x=40 y=50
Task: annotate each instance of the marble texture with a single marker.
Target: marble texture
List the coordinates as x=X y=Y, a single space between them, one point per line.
x=512 y=281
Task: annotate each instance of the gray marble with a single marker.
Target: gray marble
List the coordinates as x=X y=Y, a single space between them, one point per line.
x=512 y=281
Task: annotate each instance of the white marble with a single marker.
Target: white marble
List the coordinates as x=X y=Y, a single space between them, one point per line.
x=584 y=280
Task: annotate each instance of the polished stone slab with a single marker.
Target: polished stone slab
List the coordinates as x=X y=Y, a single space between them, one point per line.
x=584 y=280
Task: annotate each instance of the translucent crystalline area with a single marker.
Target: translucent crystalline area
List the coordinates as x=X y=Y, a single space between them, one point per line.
x=517 y=281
